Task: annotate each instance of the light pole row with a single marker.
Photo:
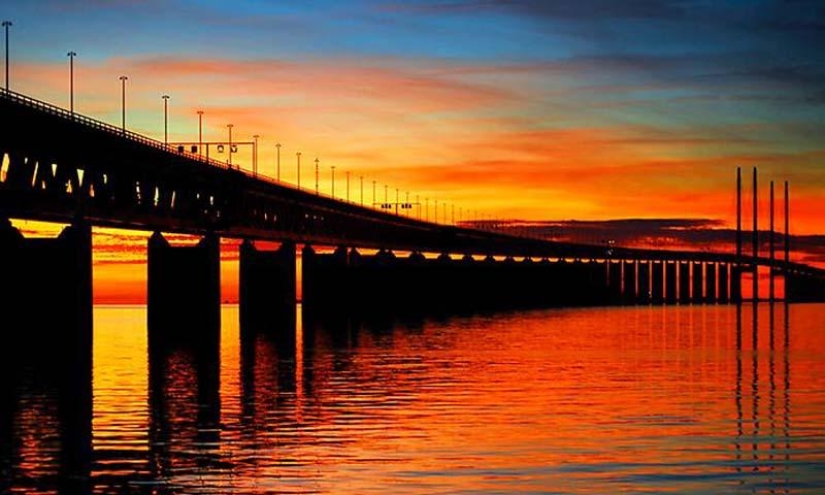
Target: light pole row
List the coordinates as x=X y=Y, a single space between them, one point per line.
x=72 y=54
x=6 y=26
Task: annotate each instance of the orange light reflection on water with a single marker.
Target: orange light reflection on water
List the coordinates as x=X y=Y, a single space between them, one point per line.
x=581 y=401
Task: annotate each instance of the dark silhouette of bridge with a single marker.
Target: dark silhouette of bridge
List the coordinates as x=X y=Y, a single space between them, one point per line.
x=63 y=167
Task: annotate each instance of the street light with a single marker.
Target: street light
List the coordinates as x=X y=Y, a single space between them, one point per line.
x=278 y=170
x=373 y=194
x=7 y=25
x=165 y=120
x=255 y=155
x=71 y=56
x=316 y=175
x=299 y=169
x=230 y=126
x=200 y=131
x=123 y=80
x=332 y=167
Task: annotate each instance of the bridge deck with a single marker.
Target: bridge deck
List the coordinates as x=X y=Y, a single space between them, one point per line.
x=62 y=166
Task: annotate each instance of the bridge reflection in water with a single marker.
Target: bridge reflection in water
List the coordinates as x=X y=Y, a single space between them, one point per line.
x=694 y=398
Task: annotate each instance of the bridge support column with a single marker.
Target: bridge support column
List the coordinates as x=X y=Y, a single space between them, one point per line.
x=46 y=303
x=267 y=284
x=644 y=282
x=710 y=282
x=804 y=287
x=698 y=284
x=328 y=279
x=629 y=288
x=48 y=282
x=657 y=282
x=184 y=289
x=670 y=282
x=684 y=282
x=736 y=284
x=614 y=282
x=723 y=294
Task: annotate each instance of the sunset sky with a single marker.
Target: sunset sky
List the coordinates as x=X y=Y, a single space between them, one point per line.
x=522 y=109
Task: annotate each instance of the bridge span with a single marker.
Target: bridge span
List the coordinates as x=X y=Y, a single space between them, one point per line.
x=63 y=167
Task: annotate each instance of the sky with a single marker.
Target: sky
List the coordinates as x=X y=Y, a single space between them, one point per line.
x=533 y=110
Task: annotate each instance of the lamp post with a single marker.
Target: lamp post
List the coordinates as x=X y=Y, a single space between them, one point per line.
x=317 y=191
x=200 y=132
x=165 y=120
x=298 y=154
x=278 y=162
x=426 y=209
x=332 y=167
x=123 y=80
x=255 y=154
x=373 y=194
x=7 y=25
x=71 y=56
x=230 y=126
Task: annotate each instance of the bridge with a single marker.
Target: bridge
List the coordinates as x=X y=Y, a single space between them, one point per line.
x=60 y=166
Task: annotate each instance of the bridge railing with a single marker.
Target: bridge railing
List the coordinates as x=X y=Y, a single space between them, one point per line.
x=139 y=138
x=103 y=126
x=144 y=140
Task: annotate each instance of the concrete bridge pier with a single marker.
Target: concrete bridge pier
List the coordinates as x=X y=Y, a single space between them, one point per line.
x=614 y=281
x=184 y=290
x=670 y=283
x=736 y=284
x=47 y=283
x=629 y=284
x=644 y=282
x=684 y=282
x=710 y=283
x=801 y=287
x=328 y=279
x=267 y=286
x=698 y=282
x=723 y=294
x=46 y=301
x=657 y=282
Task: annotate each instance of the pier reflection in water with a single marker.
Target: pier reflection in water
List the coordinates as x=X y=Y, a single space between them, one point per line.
x=681 y=399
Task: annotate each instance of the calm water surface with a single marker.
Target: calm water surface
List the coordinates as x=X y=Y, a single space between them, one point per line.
x=654 y=400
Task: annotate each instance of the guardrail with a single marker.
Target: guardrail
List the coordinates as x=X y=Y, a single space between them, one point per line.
x=103 y=126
